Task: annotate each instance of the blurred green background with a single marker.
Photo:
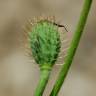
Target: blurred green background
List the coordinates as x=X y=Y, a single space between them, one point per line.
x=18 y=74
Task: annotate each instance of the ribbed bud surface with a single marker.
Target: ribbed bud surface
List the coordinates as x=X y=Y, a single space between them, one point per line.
x=44 y=42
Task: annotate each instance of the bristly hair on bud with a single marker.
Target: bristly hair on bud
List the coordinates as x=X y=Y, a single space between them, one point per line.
x=44 y=41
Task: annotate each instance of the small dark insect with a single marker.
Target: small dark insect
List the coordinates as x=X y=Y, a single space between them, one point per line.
x=60 y=26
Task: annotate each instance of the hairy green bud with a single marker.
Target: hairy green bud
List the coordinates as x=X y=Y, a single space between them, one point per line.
x=44 y=40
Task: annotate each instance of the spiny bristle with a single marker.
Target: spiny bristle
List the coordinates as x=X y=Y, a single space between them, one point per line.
x=65 y=43
x=43 y=17
x=35 y=20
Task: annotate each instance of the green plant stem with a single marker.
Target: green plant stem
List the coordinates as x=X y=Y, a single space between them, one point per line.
x=44 y=76
x=73 y=47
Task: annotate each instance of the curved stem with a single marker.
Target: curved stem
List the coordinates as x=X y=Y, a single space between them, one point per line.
x=73 y=47
x=44 y=77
